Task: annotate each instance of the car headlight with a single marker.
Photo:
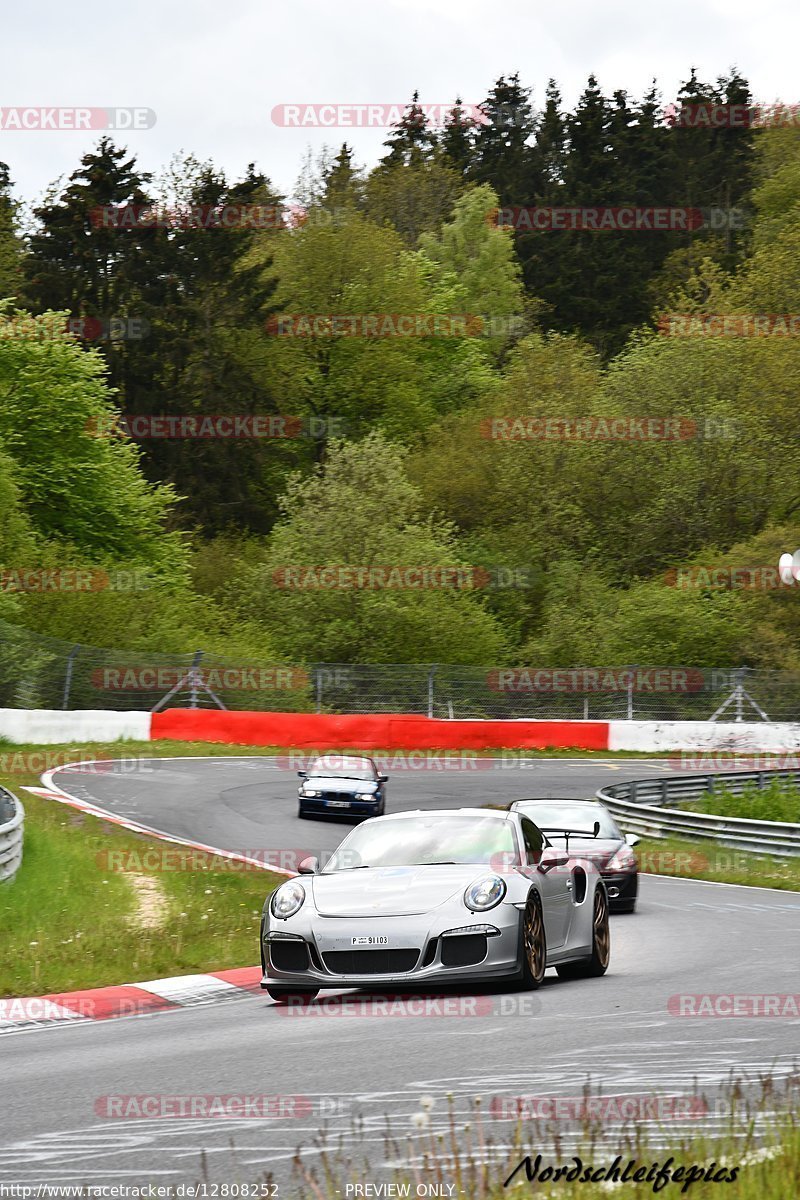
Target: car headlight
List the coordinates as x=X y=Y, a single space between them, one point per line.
x=485 y=893
x=365 y=795
x=309 y=792
x=288 y=899
x=623 y=860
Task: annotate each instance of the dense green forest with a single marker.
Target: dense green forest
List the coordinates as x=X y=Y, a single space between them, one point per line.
x=571 y=549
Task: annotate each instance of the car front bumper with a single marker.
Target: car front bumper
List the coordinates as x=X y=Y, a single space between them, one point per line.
x=430 y=953
x=622 y=887
x=341 y=806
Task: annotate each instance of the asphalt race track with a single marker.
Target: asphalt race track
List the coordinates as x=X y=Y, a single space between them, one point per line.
x=616 y=1032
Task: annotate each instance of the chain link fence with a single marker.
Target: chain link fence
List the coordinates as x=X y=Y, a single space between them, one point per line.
x=48 y=673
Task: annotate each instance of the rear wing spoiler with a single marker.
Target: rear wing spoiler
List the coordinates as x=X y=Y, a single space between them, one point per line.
x=553 y=831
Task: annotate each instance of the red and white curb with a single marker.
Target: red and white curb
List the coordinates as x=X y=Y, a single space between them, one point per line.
x=127 y=1000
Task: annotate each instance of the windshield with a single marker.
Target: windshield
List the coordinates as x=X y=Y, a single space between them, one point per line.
x=572 y=816
x=435 y=839
x=337 y=766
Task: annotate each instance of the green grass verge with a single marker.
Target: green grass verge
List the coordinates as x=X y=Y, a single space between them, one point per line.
x=704 y=860
x=778 y=801
x=69 y=923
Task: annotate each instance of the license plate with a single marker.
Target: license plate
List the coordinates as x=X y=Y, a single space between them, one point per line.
x=338 y=803
x=372 y=940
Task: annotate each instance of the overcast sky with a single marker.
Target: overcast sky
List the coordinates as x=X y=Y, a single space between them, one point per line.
x=214 y=71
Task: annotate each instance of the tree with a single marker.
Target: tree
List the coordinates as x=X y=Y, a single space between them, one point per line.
x=10 y=245
x=413 y=198
x=502 y=141
x=457 y=139
x=343 y=184
x=78 y=487
x=75 y=260
x=207 y=350
x=391 y=378
x=481 y=257
x=412 y=141
x=361 y=511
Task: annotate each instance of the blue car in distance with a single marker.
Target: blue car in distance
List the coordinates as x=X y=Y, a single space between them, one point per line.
x=342 y=785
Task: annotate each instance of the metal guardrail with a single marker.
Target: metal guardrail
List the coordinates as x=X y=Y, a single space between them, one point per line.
x=640 y=807
x=12 y=817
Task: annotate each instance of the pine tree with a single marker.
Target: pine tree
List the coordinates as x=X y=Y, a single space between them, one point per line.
x=342 y=182
x=547 y=156
x=502 y=142
x=412 y=142
x=205 y=354
x=76 y=262
x=10 y=245
x=457 y=139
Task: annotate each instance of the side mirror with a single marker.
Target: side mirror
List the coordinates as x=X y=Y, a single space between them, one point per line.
x=383 y=779
x=632 y=839
x=552 y=856
x=303 y=774
x=308 y=866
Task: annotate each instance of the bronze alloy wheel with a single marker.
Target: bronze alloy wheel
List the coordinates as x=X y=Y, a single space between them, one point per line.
x=534 y=944
x=595 y=963
x=601 y=932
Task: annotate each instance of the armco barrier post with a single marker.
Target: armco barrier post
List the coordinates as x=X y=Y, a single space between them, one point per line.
x=431 y=674
x=68 y=676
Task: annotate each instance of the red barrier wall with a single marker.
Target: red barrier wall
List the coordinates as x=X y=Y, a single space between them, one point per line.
x=375 y=731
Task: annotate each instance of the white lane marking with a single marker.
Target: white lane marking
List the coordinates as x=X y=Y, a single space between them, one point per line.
x=749 y=887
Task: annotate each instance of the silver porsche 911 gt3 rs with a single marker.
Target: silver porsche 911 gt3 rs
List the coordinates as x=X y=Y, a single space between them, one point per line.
x=432 y=897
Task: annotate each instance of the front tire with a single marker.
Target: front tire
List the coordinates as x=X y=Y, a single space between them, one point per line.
x=597 y=962
x=534 y=945
x=284 y=994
